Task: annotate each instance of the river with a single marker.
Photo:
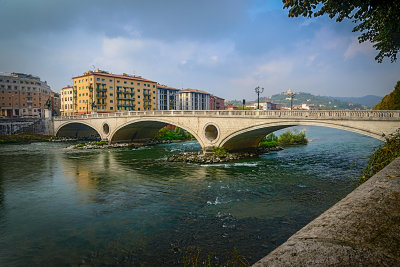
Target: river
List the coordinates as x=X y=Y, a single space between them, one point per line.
x=62 y=207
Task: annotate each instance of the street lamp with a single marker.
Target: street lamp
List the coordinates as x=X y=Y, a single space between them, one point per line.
x=292 y=94
x=258 y=91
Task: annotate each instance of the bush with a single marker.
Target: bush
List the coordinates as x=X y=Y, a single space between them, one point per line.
x=383 y=156
x=177 y=134
x=290 y=138
x=219 y=151
x=270 y=140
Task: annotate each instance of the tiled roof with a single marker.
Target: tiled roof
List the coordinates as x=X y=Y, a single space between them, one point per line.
x=123 y=76
x=166 y=87
x=193 y=90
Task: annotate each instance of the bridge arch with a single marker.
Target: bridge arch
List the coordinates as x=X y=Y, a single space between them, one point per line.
x=77 y=130
x=144 y=129
x=250 y=137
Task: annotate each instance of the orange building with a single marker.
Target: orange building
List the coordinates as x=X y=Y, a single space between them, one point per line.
x=100 y=91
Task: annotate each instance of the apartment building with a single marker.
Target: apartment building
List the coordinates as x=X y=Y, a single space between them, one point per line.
x=167 y=97
x=217 y=103
x=67 y=101
x=23 y=95
x=100 y=91
x=265 y=105
x=193 y=99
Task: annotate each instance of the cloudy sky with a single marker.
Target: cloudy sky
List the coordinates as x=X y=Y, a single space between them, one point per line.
x=226 y=47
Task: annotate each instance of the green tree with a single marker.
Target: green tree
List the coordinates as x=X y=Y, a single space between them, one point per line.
x=378 y=21
x=390 y=101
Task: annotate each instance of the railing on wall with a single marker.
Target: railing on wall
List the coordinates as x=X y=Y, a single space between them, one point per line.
x=272 y=114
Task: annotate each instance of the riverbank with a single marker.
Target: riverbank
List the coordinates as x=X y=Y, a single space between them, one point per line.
x=218 y=157
x=24 y=138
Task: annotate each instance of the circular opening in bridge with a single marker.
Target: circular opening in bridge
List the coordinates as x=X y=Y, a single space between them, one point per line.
x=106 y=128
x=211 y=132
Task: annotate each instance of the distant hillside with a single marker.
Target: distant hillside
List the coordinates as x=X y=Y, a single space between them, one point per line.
x=368 y=100
x=322 y=102
x=390 y=101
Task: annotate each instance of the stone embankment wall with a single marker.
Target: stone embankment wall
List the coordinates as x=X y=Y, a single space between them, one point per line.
x=25 y=125
x=363 y=229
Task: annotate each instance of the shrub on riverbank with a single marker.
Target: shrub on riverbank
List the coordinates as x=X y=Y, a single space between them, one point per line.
x=177 y=134
x=383 y=156
x=270 y=140
x=288 y=138
x=23 y=138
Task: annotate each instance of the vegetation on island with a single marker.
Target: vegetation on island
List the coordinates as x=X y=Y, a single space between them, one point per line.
x=390 y=101
x=383 y=156
x=377 y=21
x=219 y=152
x=288 y=138
x=176 y=134
x=24 y=138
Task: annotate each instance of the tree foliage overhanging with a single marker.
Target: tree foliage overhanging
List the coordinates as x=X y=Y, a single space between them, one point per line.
x=378 y=21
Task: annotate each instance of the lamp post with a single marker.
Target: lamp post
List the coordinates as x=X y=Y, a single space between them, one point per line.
x=292 y=94
x=258 y=91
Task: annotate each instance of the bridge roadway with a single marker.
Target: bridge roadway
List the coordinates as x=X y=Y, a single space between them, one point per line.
x=234 y=130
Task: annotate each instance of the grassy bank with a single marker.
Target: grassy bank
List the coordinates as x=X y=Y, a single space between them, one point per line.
x=383 y=156
x=24 y=138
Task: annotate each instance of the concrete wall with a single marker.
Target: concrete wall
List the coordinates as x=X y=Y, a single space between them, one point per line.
x=363 y=229
x=26 y=125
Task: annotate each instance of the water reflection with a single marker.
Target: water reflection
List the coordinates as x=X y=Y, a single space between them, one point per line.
x=60 y=207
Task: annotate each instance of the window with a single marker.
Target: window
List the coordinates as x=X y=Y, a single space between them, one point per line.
x=124 y=82
x=98 y=79
x=111 y=94
x=131 y=83
x=117 y=81
x=111 y=101
x=111 y=108
x=103 y=80
x=110 y=81
x=138 y=90
x=138 y=109
x=138 y=84
x=138 y=96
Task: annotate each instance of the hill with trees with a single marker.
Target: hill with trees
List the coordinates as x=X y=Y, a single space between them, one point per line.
x=390 y=101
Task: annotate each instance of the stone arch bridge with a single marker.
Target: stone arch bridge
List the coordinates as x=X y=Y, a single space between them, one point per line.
x=233 y=130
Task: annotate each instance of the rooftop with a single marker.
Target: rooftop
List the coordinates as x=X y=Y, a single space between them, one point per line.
x=188 y=90
x=166 y=87
x=107 y=74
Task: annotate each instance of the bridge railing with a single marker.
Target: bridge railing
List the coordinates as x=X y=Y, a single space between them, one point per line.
x=298 y=114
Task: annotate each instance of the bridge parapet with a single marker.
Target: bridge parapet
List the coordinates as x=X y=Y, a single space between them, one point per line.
x=271 y=114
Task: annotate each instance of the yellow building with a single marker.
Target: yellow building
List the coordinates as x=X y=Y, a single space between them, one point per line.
x=100 y=91
x=67 y=101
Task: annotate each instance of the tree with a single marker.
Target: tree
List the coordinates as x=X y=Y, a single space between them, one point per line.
x=378 y=21
x=390 y=101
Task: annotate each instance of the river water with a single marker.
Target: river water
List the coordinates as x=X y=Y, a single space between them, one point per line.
x=131 y=207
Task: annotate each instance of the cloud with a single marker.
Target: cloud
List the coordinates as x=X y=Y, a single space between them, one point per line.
x=355 y=48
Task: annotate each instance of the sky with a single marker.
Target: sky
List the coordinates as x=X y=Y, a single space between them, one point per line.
x=225 y=47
